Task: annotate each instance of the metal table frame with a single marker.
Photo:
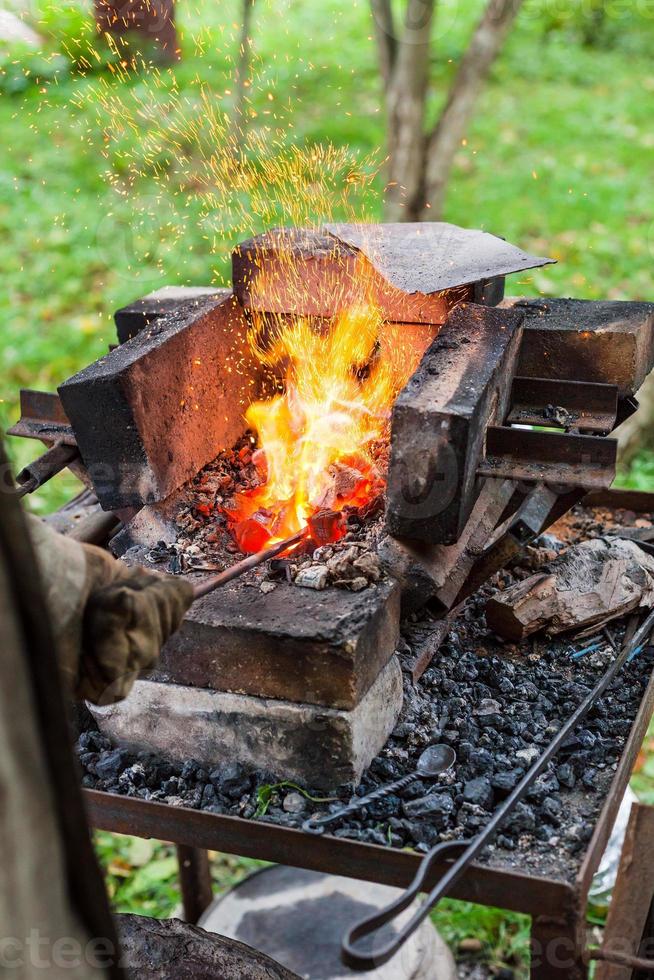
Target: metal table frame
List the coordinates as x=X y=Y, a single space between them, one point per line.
x=557 y=907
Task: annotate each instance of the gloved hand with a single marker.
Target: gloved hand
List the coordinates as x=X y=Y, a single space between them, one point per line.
x=110 y=620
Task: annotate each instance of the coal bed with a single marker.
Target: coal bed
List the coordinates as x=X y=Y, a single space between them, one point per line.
x=497 y=705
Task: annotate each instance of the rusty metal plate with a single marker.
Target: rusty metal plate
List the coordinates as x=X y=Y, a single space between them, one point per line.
x=428 y=257
x=553 y=458
x=564 y=404
x=42 y=417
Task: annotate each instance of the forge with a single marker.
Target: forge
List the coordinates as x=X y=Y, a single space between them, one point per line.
x=371 y=383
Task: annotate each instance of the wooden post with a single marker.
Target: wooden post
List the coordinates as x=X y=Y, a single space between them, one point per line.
x=153 y=20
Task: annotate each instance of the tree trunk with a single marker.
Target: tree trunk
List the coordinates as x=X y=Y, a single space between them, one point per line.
x=239 y=119
x=475 y=66
x=419 y=164
x=154 y=20
x=406 y=94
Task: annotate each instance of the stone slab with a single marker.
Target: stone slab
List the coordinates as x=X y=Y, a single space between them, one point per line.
x=320 y=747
x=583 y=340
x=440 y=418
x=155 y=410
x=319 y=647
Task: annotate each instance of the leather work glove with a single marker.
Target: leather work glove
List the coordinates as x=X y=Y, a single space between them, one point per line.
x=110 y=621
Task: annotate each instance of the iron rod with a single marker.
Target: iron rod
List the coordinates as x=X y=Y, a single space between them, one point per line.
x=241 y=567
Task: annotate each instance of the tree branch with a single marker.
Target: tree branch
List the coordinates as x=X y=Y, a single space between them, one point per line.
x=450 y=129
x=239 y=119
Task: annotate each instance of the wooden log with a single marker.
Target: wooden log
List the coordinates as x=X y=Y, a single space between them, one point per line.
x=589 y=585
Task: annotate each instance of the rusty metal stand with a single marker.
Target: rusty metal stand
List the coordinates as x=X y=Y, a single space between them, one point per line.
x=195 y=881
x=557 y=945
x=628 y=926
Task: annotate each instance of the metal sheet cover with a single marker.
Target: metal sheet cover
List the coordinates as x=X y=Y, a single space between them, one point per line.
x=427 y=257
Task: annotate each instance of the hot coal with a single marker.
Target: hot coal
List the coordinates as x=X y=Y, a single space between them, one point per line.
x=340 y=551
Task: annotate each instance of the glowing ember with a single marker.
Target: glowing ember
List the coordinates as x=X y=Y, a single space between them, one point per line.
x=322 y=440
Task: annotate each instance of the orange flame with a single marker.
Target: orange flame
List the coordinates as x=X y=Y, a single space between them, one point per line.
x=320 y=440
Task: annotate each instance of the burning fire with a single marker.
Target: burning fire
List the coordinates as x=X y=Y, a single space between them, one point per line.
x=322 y=442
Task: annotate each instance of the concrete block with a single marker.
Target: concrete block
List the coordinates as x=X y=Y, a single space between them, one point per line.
x=301 y=645
x=321 y=747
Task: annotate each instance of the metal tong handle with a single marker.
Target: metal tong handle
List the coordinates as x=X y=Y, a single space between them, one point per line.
x=358 y=960
x=316 y=825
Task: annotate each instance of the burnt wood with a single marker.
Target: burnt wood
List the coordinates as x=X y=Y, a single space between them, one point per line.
x=582 y=340
x=317 y=647
x=439 y=422
x=155 y=410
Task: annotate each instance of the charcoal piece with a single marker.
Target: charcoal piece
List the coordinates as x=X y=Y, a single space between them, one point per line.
x=479 y=792
x=437 y=806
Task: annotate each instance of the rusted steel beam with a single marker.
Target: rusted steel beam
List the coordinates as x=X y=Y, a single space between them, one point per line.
x=564 y=460
x=557 y=947
x=607 y=817
x=632 y=897
x=42 y=416
x=45 y=467
x=581 y=406
x=509 y=889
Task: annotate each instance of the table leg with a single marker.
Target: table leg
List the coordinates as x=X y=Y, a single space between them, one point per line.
x=195 y=881
x=556 y=949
